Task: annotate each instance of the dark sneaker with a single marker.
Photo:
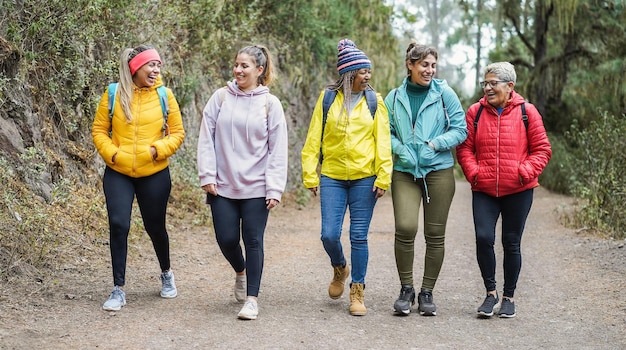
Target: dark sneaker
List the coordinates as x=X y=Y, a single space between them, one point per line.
x=491 y=302
x=426 y=305
x=507 y=309
x=402 y=306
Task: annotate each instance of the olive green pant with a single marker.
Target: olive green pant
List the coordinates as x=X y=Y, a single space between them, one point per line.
x=407 y=194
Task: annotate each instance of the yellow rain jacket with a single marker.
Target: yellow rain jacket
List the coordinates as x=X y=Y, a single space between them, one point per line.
x=354 y=148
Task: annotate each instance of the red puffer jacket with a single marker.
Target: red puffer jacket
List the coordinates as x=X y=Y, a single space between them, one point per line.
x=495 y=157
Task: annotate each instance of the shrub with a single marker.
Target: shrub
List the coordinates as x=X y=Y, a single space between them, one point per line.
x=559 y=176
x=598 y=163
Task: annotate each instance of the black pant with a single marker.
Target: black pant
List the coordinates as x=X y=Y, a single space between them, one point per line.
x=514 y=209
x=152 y=194
x=235 y=219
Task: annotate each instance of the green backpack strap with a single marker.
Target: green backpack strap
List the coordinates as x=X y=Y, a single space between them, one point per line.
x=163 y=99
x=165 y=107
x=112 y=94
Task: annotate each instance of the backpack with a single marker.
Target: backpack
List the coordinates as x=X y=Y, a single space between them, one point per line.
x=524 y=119
x=162 y=98
x=329 y=97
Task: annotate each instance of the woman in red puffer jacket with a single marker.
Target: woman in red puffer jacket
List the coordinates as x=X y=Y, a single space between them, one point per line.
x=505 y=152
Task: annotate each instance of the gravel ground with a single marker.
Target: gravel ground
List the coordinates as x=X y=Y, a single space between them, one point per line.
x=570 y=294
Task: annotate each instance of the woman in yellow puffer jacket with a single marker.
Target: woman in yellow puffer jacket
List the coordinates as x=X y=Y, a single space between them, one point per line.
x=135 y=142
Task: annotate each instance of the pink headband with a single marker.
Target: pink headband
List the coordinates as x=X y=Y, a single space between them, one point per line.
x=143 y=58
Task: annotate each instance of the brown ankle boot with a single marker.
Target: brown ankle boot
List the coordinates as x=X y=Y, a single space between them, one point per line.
x=357 y=305
x=340 y=273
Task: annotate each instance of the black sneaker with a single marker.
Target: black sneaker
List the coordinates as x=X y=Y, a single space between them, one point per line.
x=491 y=302
x=507 y=309
x=426 y=305
x=402 y=306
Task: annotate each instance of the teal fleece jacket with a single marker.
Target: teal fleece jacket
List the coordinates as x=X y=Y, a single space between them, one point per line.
x=409 y=143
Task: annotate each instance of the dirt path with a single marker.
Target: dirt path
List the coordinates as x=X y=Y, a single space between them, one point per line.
x=570 y=294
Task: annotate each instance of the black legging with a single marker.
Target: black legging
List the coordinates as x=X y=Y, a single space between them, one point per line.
x=235 y=219
x=152 y=194
x=514 y=210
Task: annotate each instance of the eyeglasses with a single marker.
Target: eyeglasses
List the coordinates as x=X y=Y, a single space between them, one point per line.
x=492 y=83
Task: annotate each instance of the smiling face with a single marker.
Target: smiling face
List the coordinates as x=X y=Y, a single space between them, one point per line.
x=246 y=72
x=498 y=94
x=147 y=74
x=361 y=79
x=422 y=72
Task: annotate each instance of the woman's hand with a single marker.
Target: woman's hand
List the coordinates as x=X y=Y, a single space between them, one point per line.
x=271 y=203
x=379 y=191
x=210 y=188
x=153 y=152
x=313 y=191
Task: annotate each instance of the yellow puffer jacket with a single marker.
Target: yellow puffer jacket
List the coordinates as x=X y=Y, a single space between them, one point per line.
x=130 y=142
x=353 y=149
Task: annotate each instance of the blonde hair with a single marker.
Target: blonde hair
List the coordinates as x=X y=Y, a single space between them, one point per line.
x=262 y=58
x=125 y=86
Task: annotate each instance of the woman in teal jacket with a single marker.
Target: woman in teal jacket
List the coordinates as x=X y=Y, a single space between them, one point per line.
x=427 y=122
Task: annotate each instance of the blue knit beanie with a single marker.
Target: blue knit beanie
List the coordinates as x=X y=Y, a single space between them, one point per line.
x=350 y=58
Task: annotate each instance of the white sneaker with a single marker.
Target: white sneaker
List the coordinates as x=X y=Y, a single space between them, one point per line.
x=168 y=289
x=249 y=311
x=240 y=288
x=116 y=300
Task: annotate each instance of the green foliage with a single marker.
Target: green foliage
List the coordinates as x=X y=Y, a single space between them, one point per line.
x=559 y=175
x=597 y=164
x=68 y=52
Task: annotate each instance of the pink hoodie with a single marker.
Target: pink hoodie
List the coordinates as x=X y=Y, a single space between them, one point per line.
x=242 y=144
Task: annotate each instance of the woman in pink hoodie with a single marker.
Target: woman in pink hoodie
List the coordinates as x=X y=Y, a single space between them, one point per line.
x=242 y=165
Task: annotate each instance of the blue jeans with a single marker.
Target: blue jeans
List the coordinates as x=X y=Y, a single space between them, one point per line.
x=336 y=196
x=514 y=209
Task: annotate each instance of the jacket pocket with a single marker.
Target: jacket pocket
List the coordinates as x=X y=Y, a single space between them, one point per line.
x=427 y=156
x=405 y=158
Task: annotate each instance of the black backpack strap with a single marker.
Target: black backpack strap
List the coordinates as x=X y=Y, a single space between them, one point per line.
x=329 y=97
x=372 y=101
x=480 y=110
x=525 y=120
x=524 y=116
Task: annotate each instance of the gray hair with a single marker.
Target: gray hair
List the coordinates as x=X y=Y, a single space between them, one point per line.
x=503 y=70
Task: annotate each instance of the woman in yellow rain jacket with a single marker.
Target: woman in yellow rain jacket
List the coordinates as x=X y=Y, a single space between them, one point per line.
x=356 y=166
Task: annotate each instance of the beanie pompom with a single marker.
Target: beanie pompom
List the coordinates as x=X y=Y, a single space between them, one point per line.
x=345 y=43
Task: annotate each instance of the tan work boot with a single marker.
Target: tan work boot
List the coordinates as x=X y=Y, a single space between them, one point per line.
x=340 y=273
x=357 y=306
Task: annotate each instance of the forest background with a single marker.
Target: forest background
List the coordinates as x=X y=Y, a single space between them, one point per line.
x=57 y=56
